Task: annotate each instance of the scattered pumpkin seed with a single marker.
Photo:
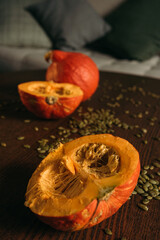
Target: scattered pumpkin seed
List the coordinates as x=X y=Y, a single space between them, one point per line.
x=52 y=136
x=27 y=121
x=26 y=146
x=20 y=138
x=145 y=194
x=139 y=190
x=151 y=175
x=145 y=188
x=151 y=167
x=42 y=156
x=157 y=197
x=156 y=164
x=150 y=187
x=46 y=128
x=153 y=193
x=144 y=171
x=146 y=167
x=152 y=181
x=108 y=231
x=3 y=144
x=134 y=192
x=36 y=129
x=145 y=141
x=145 y=201
x=123 y=238
x=142 y=206
x=144 y=130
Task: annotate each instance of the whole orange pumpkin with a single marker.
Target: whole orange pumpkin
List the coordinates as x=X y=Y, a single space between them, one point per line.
x=83 y=182
x=75 y=68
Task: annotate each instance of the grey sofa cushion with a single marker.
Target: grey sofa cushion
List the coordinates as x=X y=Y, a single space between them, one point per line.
x=69 y=23
x=19 y=59
x=18 y=27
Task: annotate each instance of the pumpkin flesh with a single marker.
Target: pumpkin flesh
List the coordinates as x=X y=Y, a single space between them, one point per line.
x=83 y=182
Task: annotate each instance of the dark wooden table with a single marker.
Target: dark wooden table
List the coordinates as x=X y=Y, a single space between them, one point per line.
x=135 y=101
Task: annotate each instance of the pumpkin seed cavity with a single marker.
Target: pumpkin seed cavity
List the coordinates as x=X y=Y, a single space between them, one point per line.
x=95 y=158
x=48 y=89
x=98 y=159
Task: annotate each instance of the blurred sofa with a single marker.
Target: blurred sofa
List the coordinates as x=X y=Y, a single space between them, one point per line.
x=24 y=43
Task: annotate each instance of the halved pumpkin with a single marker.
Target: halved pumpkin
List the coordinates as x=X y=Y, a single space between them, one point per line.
x=83 y=182
x=50 y=100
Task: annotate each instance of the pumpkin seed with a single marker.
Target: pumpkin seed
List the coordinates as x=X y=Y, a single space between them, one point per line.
x=158 y=173
x=144 y=130
x=149 y=197
x=157 y=197
x=145 y=188
x=146 y=167
x=42 y=156
x=27 y=121
x=139 y=190
x=134 y=192
x=144 y=171
x=145 y=141
x=145 y=201
x=20 y=138
x=52 y=136
x=36 y=129
x=153 y=181
x=151 y=167
x=145 y=176
x=108 y=231
x=156 y=164
x=46 y=128
x=26 y=146
x=3 y=144
x=142 y=206
x=123 y=238
x=150 y=187
x=145 y=194
x=151 y=175
x=140 y=181
x=153 y=193
x=147 y=184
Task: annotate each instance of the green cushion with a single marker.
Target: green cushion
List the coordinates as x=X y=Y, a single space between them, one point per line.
x=18 y=28
x=135 y=30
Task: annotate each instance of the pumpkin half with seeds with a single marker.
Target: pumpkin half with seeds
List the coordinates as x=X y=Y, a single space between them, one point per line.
x=50 y=100
x=83 y=182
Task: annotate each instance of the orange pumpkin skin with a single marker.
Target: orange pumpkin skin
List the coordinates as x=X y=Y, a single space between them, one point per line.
x=106 y=208
x=96 y=211
x=38 y=105
x=101 y=197
x=75 y=68
x=73 y=222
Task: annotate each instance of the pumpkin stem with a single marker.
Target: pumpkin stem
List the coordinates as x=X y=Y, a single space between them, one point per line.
x=48 y=56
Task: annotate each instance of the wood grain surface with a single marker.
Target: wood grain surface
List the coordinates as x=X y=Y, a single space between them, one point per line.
x=135 y=101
